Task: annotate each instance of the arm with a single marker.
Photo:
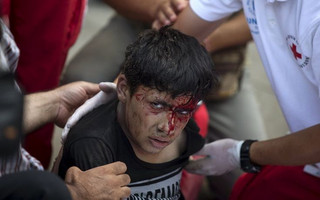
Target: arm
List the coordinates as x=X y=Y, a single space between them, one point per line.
x=298 y=148
x=233 y=32
x=191 y=24
x=55 y=105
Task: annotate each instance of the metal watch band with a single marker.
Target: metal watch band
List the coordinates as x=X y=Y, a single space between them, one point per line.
x=246 y=164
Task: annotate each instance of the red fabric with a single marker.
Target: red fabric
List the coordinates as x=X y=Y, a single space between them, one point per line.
x=4 y=7
x=277 y=183
x=4 y=11
x=201 y=117
x=44 y=30
x=191 y=183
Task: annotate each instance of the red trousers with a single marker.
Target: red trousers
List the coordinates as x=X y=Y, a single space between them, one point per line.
x=277 y=183
x=44 y=30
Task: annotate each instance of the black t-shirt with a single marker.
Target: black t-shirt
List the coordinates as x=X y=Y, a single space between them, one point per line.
x=97 y=139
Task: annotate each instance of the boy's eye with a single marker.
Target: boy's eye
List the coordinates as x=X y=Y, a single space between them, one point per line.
x=156 y=105
x=183 y=112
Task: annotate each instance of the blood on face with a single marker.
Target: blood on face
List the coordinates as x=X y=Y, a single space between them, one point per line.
x=178 y=110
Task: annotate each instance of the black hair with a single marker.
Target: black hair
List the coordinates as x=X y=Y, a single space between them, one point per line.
x=170 y=61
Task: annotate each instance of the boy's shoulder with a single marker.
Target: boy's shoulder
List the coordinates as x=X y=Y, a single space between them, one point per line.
x=95 y=124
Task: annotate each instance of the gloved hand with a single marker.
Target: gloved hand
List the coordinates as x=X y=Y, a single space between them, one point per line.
x=222 y=156
x=108 y=92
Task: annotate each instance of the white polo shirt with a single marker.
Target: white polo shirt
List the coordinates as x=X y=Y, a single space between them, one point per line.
x=287 y=36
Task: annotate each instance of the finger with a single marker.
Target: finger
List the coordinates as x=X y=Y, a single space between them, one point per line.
x=71 y=173
x=89 y=105
x=121 y=180
x=112 y=168
x=124 y=192
x=156 y=25
x=124 y=179
x=70 y=123
x=65 y=132
x=179 y=5
x=163 y=19
x=95 y=101
x=170 y=14
x=90 y=88
x=200 y=166
x=107 y=87
x=204 y=151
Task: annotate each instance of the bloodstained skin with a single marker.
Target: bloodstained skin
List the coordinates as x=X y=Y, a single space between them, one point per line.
x=174 y=116
x=139 y=97
x=179 y=104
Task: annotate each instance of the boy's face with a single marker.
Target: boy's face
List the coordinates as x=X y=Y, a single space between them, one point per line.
x=154 y=120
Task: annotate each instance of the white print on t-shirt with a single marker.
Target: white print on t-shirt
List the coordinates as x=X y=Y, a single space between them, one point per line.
x=296 y=52
x=165 y=187
x=251 y=16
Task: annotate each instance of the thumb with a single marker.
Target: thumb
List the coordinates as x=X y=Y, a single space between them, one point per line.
x=116 y=168
x=179 y=4
x=107 y=87
x=201 y=166
x=204 y=151
x=71 y=174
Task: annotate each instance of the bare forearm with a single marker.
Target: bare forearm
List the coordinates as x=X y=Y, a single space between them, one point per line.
x=142 y=10
x=191 y=24
x=39 y=109
x=295 y=149
x=233 y=32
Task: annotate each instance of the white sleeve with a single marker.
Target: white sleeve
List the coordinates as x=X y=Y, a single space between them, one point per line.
x=212 y=10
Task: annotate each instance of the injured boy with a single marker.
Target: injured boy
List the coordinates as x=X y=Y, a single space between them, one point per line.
x=164 y=76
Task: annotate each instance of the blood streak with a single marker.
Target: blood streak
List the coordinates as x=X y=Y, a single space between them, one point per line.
x=139 y=96
x=174 y=117
x=171 y=121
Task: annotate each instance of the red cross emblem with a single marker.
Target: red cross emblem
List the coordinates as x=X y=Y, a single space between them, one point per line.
x=294 y=51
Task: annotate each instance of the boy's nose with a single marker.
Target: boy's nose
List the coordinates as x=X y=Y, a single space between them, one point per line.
x=167 y=124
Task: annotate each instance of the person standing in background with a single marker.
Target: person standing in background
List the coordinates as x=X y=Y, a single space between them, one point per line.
x=44 y=32
x=21 y=175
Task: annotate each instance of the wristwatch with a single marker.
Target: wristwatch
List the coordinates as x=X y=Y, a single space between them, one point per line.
x=246 y=164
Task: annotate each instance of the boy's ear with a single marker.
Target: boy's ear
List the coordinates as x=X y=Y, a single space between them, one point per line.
x=122 y=88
